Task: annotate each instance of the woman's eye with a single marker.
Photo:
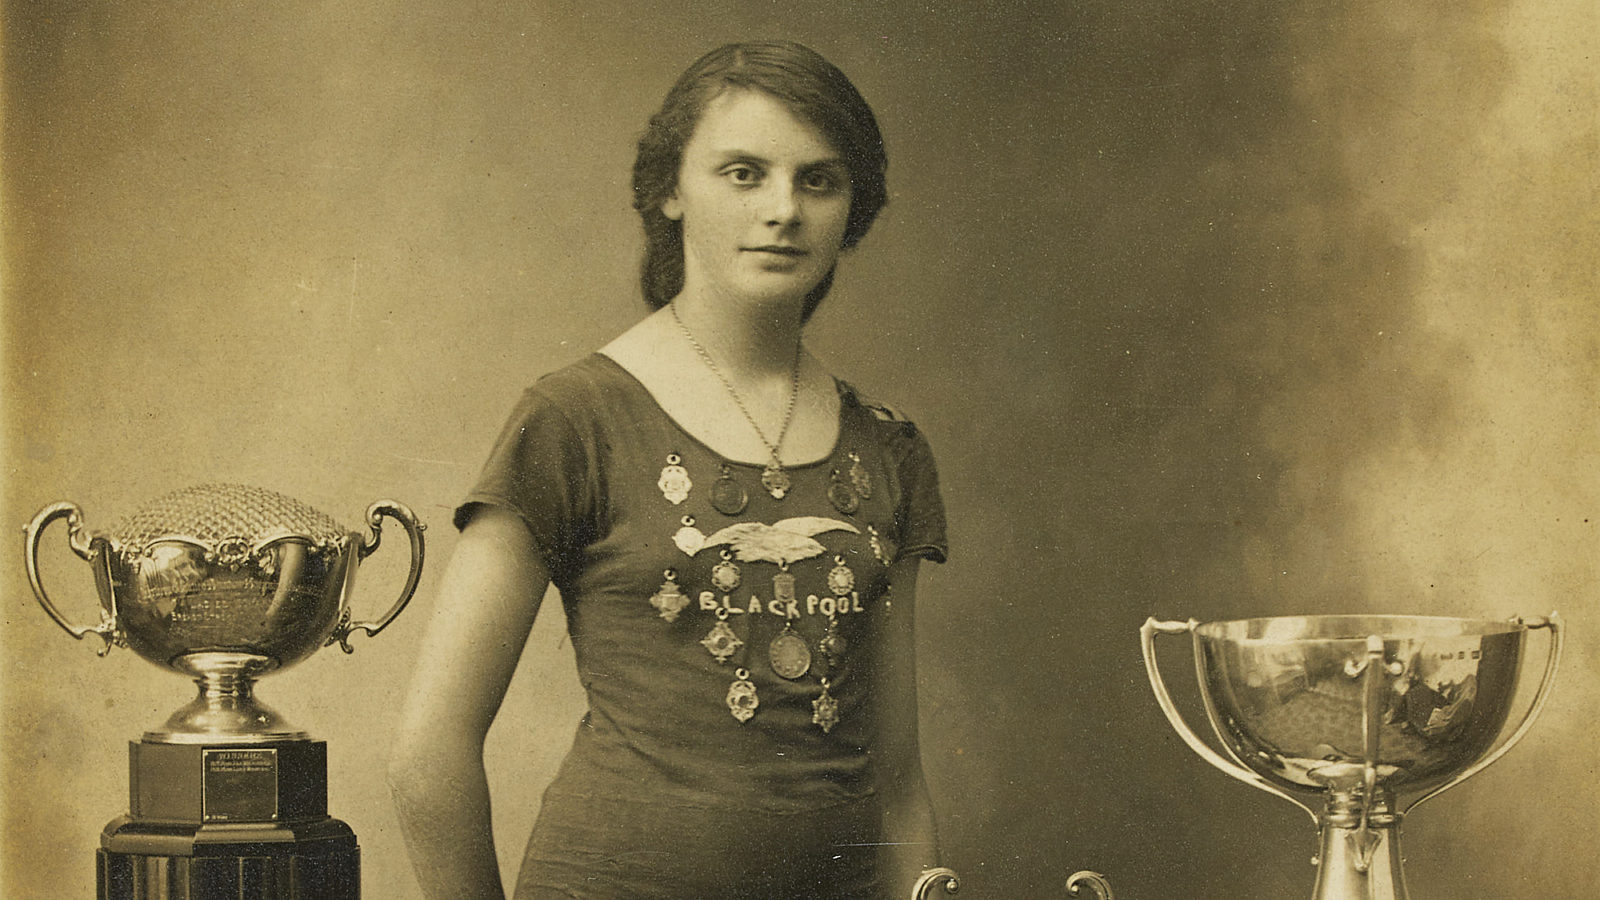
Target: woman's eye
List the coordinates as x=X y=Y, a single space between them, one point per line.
x=821 y=182
x=741 y=174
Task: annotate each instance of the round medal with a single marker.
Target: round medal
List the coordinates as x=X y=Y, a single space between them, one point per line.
x=789 y=655
x=843 y=496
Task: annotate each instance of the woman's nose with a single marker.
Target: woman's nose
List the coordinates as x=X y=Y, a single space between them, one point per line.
x=782 y=203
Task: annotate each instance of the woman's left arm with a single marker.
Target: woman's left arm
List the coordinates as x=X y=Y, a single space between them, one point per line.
x=909 y=829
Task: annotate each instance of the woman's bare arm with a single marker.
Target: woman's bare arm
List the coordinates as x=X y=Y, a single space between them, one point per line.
x=489 y=595
x=909 y=828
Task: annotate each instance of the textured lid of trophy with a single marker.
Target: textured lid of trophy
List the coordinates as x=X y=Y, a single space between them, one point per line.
x=226 y=584
x=1356 y=719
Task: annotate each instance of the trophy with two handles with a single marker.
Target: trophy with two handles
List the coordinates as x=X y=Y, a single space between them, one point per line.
x=225 y=584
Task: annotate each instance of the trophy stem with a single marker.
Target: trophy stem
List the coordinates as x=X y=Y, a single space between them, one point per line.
x=226 y=711
x=1359 y=857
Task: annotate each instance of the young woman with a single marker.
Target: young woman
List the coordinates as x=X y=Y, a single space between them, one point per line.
x=735 y=535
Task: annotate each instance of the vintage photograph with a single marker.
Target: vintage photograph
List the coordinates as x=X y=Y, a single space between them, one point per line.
x=847 y=451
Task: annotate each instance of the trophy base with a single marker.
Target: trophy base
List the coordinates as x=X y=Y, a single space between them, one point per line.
x=233 y=820
x=262 y=861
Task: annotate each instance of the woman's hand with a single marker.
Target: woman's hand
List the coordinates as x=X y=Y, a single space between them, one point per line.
x=488 y=598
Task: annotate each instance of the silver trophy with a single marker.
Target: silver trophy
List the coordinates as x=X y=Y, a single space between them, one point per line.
x=225 y=584
x=1356 y=719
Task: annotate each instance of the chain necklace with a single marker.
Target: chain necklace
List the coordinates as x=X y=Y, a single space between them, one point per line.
x=773 y=477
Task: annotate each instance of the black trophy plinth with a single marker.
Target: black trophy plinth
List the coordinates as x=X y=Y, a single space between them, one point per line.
x=241 y=820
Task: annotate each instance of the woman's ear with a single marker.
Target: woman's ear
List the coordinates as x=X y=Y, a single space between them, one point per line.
x=671 y=208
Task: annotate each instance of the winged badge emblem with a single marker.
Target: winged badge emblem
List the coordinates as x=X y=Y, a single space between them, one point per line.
x=783 y=542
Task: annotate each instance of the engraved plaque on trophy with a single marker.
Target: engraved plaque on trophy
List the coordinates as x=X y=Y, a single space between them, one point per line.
x=226 y=584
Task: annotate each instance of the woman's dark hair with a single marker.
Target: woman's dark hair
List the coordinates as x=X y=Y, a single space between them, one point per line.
x=810 y=87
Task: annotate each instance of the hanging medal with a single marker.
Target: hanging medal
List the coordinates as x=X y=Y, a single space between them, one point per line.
x=788 y=653
x=722 y=642
x=843 y=495
x=725 y=575
x=669 y=599
x=841 y=581
x=833 y=644
x=775 y=479
x=742 y=699
x=859 y=477
x=727 y=494
x=824 y=709
x=688 y=538
x=674 y=481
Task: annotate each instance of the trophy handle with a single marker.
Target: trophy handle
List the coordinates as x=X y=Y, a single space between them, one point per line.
x=1094 y=881
x=408 y=520
x=1557 y=641
x=1232 y=768
x=930 y=877
x=79 y=541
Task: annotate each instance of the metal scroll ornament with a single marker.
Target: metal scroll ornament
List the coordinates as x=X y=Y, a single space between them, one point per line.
x=224 y=584
x=1356 y=719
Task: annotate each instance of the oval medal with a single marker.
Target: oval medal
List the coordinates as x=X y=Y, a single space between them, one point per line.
x=789 y=655
x=742 y=700
x=843 y=496
x=728 y=495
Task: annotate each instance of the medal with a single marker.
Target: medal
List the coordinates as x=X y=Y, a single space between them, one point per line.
x=783 y=586
x=842 y=495
x=824 y=709
x=727 y=494
x=841 y=581
x=688 y=538
x=669 y=600
x=721 y=642
x=833 y=644
x=859 y=477
x=725 y=574
x=742 y=700
x=674 y=481
x=788 y=653
x=775 y=480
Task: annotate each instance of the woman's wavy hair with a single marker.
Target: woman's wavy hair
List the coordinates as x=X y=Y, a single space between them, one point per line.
x=810 y=87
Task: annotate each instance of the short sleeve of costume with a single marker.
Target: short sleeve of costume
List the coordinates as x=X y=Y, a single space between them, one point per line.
x=543 y=469
x=919 y=515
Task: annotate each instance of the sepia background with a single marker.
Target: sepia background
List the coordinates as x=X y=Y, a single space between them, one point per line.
x=1210 y=309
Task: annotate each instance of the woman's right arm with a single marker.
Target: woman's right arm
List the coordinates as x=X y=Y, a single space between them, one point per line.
x=490 y=593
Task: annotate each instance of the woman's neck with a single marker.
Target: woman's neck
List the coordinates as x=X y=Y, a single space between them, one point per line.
x=749 y=341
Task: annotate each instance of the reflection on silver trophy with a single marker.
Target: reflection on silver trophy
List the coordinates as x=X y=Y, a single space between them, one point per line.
x=1356 y=719
x=225 y=584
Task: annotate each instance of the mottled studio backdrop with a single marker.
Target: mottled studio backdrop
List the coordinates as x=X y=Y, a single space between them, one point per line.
x=1210 y=310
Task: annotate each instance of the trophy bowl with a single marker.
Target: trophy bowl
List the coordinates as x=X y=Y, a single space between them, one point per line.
x=224 y=583
x=1356 y=719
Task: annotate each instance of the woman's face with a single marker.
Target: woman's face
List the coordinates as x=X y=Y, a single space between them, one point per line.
x=763 y=199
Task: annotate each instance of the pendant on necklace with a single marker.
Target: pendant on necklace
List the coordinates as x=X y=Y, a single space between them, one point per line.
x=775 y=480
x=842 y=495
x=721 y=642
x=742 y=699
x=725 y=575
x=669 y=599
x=788 y=653
x=824 y=709
x=841 y=581
x=727 y=494
x=674 y=481
x=859 y=477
